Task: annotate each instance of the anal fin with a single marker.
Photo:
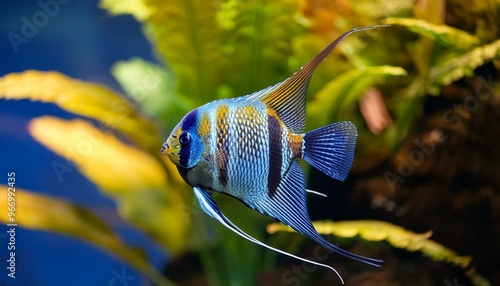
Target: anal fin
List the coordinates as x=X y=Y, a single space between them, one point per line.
x=288 y=206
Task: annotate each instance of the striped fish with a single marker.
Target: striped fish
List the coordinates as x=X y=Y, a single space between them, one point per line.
x=248 y=147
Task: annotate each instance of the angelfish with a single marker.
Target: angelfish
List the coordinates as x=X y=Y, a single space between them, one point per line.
x=247 y=147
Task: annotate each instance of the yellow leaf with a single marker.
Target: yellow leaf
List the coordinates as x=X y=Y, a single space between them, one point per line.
x=446 y=35
x=36 y=211
x=451 y=69
x=134 y=178
x=138 y=8
x=383 y=231
x=82 y=98
x=41 y=212
x=103 y=158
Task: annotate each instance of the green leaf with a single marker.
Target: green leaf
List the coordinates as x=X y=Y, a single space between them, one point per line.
x=152 y=87
x=382 y=231
x=41 y=212
x=186 y=36
x=458 y=66
x=256 y=42
x=378 y=9
x=344 y=90
x=220 y=48
x=446 y=35
x=83 y=98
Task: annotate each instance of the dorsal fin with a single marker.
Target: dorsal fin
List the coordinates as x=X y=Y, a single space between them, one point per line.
x=288 y=98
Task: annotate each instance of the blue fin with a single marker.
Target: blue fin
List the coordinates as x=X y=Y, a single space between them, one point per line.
x=208 y=205
x=288 y=98
x=288 y=206
x=330 y=149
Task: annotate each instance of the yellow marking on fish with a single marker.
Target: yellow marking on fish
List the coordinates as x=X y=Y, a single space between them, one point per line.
x=221 y=114
x=250 y=111
x=222 y=151
x=204 y=129
x=295 y=142
x=254 y=115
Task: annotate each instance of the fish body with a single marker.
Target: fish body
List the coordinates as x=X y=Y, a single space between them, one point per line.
x=248 y=148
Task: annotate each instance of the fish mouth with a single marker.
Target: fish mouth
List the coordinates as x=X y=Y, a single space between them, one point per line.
x=164 y=148
x=170 y=149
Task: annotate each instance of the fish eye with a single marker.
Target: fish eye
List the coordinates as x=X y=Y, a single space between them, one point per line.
x=185 y=138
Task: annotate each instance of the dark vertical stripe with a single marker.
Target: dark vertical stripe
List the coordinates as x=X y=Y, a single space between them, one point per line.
x=222 y=153
x=275 y=154
x=184 y=156
x=190 y=120
x=188 y=124
x=184 y=174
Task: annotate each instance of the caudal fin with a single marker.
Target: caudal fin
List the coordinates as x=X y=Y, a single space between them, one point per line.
x=330 y=149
